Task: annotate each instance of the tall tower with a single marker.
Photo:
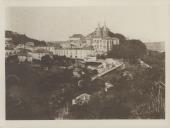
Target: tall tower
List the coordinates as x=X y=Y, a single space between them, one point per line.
x=105 y=30
x=98 y=31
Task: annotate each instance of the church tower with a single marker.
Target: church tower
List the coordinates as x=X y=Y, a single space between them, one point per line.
x=105 y=30
x=98 y=31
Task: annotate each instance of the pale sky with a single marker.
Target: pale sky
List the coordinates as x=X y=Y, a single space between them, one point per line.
x=58 y=23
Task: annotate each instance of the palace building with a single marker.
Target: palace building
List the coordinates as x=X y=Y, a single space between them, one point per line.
x=102 y=40
x=75 y=53
x=98 y=42
x=77 y=40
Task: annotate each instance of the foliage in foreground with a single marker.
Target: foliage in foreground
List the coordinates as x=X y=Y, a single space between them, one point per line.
x=39 y=94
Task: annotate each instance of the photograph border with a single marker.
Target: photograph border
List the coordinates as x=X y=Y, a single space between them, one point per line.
x=156 y=123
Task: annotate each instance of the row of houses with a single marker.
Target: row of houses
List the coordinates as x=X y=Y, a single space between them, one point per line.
x=80 y=53
x=38 y=52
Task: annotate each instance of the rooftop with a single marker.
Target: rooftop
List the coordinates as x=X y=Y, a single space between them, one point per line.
x=41 y=51
x=82 y=48
x=104 y=32
x=77 y=36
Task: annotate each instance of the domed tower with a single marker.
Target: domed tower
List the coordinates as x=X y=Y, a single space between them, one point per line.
x=98 y=31
x=105 y=30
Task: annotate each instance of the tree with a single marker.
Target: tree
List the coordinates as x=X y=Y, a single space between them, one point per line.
x=121 y=37
x=12 y=59
x=46 y=61
x=157 y=61
x=115 y=52
x=138 y=48
x=130 y=49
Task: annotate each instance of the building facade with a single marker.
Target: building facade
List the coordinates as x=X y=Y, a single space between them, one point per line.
x=101 y=40
x=9 y=52
x=79 y=53
x=38 y=54
x=77 y=40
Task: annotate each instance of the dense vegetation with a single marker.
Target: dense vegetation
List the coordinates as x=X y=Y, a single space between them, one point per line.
x=138 y=94
x=31 y=92
x=129 y=49
x=157 y=61
x=35 y=93
x=135 y=96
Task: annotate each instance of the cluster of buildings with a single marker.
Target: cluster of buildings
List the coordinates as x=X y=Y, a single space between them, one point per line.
x=77 y=46
x=101 y=40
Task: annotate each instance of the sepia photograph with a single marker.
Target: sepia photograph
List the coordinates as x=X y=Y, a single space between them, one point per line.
x=84 y=63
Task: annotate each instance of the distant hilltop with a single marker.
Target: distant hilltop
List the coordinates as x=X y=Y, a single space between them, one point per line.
x=22 y=38
x=156 y=46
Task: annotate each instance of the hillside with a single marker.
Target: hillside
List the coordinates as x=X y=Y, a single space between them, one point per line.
x=22 y=38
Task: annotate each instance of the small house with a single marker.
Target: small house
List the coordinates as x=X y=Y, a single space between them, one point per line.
x=81 y=99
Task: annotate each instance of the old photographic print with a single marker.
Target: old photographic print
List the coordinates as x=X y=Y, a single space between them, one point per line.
x=65 y=63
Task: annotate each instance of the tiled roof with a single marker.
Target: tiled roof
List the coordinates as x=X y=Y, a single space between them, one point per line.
x=84 y=94
x=94 y=34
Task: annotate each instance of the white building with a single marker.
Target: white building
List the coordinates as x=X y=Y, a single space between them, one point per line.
x=81 y=99
x=8 y=41
x=79 y=53
x=77 y=40
x=20 y=46
x=9 y=51
x=101 y=40
x=108 y=85
x=25 y=57
x=29 y=45
x=38 y=54
x=49 y=48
